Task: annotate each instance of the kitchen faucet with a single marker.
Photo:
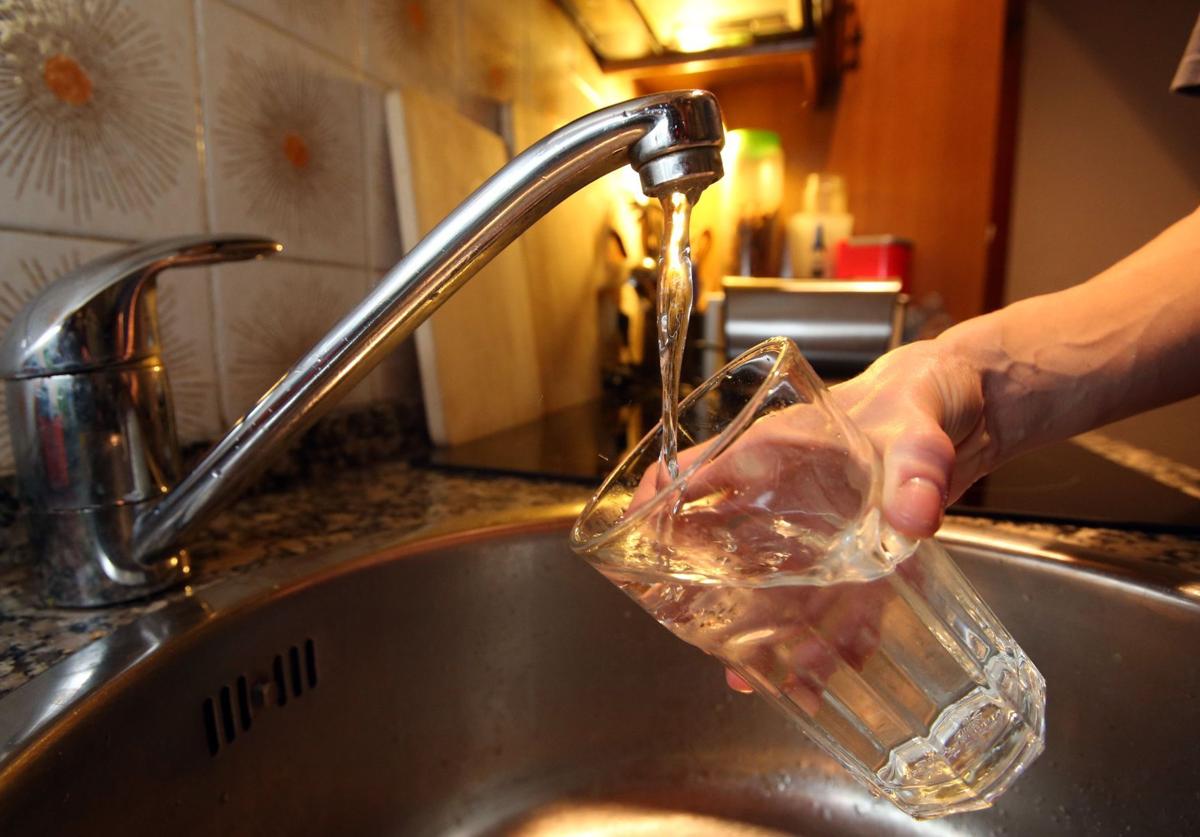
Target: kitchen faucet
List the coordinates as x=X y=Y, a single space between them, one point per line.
x=89 y=403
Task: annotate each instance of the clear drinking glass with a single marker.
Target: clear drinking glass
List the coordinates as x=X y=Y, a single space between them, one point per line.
x=769 y=552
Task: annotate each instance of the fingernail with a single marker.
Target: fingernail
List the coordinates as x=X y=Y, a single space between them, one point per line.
x=920 y=504
x=923 y=484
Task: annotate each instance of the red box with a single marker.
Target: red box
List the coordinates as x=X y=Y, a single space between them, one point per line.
x=874 y=257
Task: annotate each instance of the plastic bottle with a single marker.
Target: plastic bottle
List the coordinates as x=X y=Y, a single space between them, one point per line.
x=754 y=193
x=824 y=212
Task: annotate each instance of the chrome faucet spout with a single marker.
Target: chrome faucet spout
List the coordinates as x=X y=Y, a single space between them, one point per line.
x=672 y=139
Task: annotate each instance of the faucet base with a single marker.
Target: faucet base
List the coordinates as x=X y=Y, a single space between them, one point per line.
x=102 y=592
x=80 y=562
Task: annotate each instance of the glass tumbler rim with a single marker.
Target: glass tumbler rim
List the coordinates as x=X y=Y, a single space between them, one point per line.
x=782 y=347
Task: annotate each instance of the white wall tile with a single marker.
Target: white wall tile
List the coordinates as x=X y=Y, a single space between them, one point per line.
x=277 y=134
x=329 y=25
x=185 y=321
x=269 y=314
x=413 y=42
x=548 y=66
x=492 y=47
x=98 y=128
x=284 y=136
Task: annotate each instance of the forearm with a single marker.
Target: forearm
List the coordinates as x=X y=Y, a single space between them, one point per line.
x=1060 y=364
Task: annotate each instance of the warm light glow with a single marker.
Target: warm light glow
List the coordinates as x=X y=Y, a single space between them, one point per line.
x=691 y=26
x=621 y=29
x=733 y=147
x=627 y=186
x=759 y=178
x=594 y=97
x=612 y=819
x=697 y=37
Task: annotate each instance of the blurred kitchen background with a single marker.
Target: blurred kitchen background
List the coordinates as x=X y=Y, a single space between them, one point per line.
x=958 y=154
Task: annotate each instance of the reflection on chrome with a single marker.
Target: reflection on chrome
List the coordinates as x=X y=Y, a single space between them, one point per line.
x=106 y=517
x=567 y=819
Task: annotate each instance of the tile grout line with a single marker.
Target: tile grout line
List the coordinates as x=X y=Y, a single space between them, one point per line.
x=200 y=41
x=340 y=60
x=65 y=234
x=359 y=73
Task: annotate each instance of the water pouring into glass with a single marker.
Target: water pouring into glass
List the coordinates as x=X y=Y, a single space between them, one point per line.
x=761 y=541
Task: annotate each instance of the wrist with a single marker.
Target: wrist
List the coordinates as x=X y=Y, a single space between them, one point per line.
x=974 y=355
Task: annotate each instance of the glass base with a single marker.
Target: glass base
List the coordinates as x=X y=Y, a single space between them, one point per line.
x=975 y=750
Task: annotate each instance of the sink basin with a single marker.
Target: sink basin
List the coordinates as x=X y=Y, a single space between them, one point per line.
x=489 y=682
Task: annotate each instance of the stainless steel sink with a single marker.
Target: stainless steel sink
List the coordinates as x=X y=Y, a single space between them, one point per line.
x=488 y=682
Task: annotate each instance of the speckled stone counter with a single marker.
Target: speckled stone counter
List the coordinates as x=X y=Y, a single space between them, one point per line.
x=315 y=514
x=318 y=512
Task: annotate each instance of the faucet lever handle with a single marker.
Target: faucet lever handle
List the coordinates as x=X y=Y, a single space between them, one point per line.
x=91 y=420
x=101 y=313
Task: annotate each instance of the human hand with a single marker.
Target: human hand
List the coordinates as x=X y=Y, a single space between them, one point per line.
x=808 y=634
x=791 y=638
x=922 y=408
x=781 y=495
x=784 y=492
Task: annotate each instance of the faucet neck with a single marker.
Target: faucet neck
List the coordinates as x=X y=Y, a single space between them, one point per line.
x=672 y=139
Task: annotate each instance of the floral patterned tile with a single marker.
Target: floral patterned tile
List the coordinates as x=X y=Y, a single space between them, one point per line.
x=559 y=79
x=413 y=42
x=284 y=132
x=544 y=82
x=98 y=130
x=29 y=262
x=269 y=314
x=185 y=321
x=329 y=25
x=494 y=47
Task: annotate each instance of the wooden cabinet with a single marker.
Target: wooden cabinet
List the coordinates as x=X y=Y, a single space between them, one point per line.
x=920 y=128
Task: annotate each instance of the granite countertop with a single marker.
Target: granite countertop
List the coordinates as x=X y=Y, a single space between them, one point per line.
x=317 y=512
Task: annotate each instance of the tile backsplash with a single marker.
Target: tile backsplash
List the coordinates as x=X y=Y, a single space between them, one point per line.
x=125 y=120
x=97 y=118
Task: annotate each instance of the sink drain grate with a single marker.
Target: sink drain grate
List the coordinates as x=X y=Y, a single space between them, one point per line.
x=232 y=711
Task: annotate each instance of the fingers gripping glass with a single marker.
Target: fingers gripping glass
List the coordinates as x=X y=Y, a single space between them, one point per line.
x=769 y=551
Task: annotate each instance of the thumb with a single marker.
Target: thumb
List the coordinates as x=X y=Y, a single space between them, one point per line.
x=917 y=466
